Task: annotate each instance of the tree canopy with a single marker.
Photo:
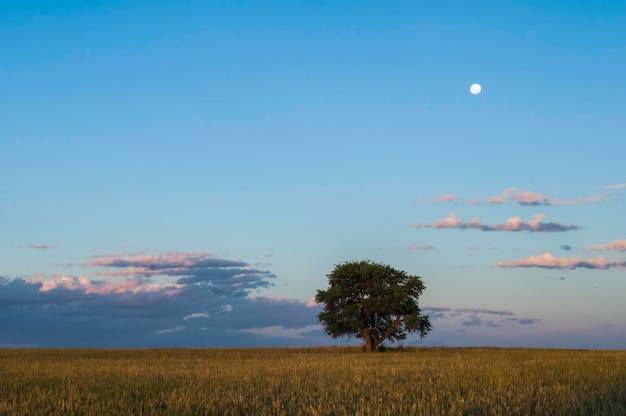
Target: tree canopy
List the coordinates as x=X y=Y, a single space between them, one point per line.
x=372 y=301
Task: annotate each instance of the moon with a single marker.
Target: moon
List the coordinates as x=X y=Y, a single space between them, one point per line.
x=475 y=89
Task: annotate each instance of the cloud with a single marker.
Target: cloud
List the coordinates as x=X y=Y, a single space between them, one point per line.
x=77 y=312
x=591 y=199
x=616 y=245
x=445 y=198
x=586 y=200
x=505 y=196
x=527 y=321
x=435 y=312
x=563 y=202
x=566 y=247
x=528 y=198
x=311 y=303
x=42 y=246
x=531 y=199
x=487 y=311
x=162 y=261
x=474 y=317
x=436 y=309
x=439 y=199
x=172 y=299
x=617 y=186
x=422 y=247
x=196 y=315
x=511 y=224
x=474 y=320
x=280 y=331
x=548 y=261
x=101 y=287
x=449 y=222
x=224 y=276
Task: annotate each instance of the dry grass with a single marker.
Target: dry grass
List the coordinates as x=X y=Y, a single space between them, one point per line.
x=312 y=381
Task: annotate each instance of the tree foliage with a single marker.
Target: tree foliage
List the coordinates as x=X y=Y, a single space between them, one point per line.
x=372 y=301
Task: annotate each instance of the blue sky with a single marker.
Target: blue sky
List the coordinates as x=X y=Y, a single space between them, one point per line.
x=187 y=173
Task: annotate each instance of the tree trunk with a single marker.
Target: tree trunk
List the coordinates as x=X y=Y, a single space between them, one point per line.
x=370 y=344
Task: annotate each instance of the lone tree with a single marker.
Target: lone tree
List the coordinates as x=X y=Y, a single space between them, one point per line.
x=372 y=301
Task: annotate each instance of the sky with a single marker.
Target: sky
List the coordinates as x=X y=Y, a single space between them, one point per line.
x=187 y=173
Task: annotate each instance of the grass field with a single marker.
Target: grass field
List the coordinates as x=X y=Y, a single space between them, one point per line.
x=312 y=381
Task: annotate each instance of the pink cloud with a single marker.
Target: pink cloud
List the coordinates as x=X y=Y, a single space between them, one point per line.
x=42 y=246
x=504 y=196
x=120 y=254
x=591 y=199
x=516 y=224
x=527 y=198
x=548 y=261
x=617 y=186
x=137 y=271
x=416 y=225
x=616 y=245
x=521 y=197
x=530 y=198
x=449 y=222
x=511 y=224
x=439 y=199
x=311 y=303
x=225 y=276
x=89 y=286
x=174 y=263
x=474 y=201
x=422 y=247
x=445 y=198
x=473 y=223
x=563 y=202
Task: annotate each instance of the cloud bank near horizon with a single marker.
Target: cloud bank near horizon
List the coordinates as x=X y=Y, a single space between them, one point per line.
x=478 y=317
x=174 y=299
x=144 y=300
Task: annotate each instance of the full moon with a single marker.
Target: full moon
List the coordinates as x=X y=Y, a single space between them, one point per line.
x=475 y=89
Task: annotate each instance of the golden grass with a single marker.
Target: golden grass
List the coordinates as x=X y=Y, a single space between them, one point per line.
x=312 y=381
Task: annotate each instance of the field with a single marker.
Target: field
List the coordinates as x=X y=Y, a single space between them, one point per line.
x=312 y=381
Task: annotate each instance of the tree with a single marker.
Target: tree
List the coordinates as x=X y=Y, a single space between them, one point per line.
x=372 y=301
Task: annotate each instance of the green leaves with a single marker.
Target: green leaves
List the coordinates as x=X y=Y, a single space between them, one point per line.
x=372 y=301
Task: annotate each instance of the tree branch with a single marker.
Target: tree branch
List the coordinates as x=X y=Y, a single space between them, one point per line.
x=394 y=326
